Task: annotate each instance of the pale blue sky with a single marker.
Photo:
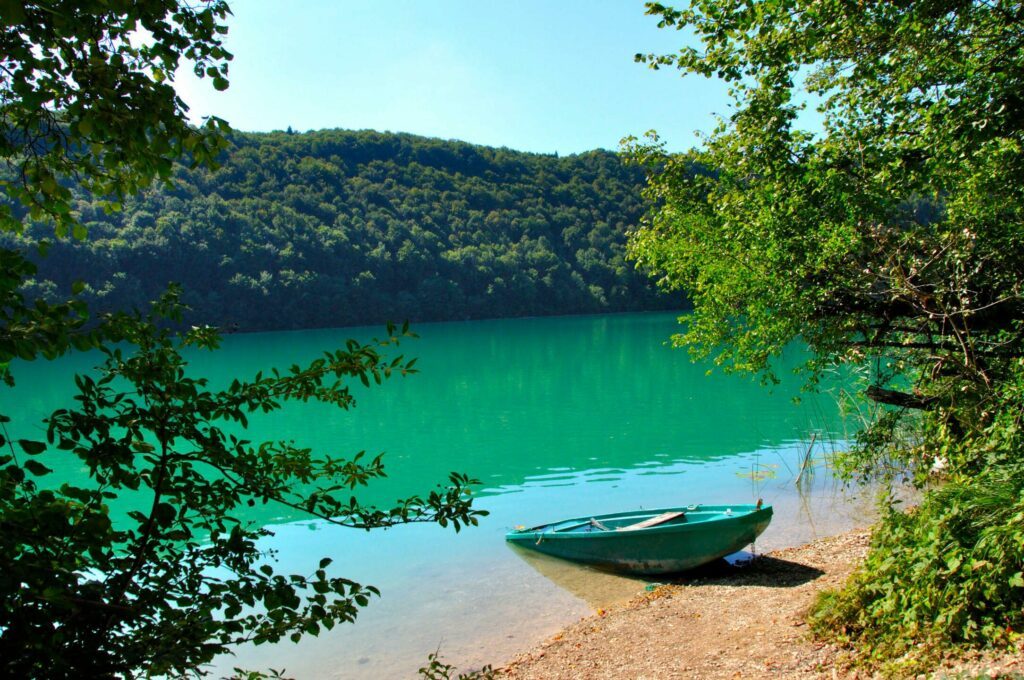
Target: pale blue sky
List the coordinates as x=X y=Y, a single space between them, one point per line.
x=533 y=75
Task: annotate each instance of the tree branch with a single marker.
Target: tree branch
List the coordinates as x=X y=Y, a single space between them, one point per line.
x=882 y=395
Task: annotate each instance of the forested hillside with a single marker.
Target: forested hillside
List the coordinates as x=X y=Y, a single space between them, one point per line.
x=337 y=228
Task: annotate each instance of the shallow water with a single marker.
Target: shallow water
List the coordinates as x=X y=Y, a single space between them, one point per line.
x=557 y=417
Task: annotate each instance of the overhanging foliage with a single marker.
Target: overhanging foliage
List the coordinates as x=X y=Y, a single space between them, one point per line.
x=890 y=238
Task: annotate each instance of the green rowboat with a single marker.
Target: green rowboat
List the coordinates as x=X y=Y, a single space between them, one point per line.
x=662 y=541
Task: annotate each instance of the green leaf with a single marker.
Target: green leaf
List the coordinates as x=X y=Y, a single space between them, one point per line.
x=30 y=447
x=36 y=468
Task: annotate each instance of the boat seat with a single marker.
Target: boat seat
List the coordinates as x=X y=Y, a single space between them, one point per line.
x=653 y=521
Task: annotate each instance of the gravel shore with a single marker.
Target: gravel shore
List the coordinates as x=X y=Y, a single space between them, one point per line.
x=724 y=622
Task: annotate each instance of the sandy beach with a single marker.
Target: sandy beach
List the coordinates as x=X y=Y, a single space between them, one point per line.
x=725 y=622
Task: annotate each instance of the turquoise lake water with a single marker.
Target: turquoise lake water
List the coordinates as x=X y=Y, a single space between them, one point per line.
x=557 y=417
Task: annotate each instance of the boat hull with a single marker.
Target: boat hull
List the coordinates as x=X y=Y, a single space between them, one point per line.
x=705 y=534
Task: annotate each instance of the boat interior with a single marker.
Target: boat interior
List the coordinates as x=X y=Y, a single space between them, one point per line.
x=644 y=520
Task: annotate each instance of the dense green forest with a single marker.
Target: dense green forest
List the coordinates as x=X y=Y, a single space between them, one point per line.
x=336 y=228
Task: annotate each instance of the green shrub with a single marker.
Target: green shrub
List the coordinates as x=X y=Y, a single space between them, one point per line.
x=945 y=574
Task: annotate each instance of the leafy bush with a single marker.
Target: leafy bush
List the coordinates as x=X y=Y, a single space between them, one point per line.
x=945 y=574
x=950 y=572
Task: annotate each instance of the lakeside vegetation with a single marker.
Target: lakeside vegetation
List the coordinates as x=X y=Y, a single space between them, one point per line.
x=891 y=240
x=339 y=228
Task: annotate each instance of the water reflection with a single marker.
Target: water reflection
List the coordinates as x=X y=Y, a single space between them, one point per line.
x=559 y=417
x=595 y=587
x=483 y=601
